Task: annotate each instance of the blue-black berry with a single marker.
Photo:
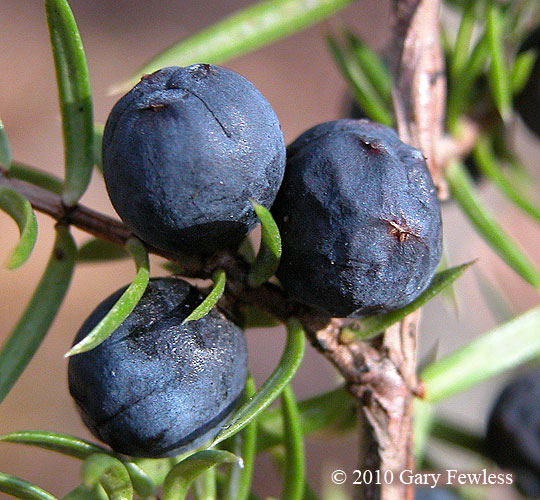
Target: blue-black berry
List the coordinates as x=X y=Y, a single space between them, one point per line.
x=156 y=387
x=359 y=219
x=513 y=432
x=183 y=153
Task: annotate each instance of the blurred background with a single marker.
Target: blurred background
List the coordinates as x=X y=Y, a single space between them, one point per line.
x=301 y=82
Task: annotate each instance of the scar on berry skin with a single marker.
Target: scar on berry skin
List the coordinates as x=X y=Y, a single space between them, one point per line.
x=154 y=107
x=373 y=145
x=202 y=71
x=401 y=232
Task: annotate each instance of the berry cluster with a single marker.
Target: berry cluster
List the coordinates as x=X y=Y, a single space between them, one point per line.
x=184 y=153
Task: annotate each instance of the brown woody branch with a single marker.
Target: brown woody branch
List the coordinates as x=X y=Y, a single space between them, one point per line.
x=268 y=297
x=90 y=221
x=386 y=383
x=419 y=93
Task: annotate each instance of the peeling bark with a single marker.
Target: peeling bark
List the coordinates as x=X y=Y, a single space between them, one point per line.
x=420 y=86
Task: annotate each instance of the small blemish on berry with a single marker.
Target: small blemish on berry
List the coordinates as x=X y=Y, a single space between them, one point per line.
x=155 y=107
x=399 y=231
x=372 y=145
x=201 y=70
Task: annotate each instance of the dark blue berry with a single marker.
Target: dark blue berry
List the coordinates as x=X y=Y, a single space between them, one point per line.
x=359 y=219
x=513 y=432
x=156 y=387
x=183 y=153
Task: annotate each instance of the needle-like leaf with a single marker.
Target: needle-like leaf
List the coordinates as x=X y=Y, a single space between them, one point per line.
x=60 y=443
x=75 y=99
x=245 y=31
x=521 y=70
x=508 y=346
x=373 y=325
x=31 y=329
x=462 y=189
x=20 y=209
x=457 y=435
x=239 y=484
x=182 y=475
x=489 y=166
x=125 y=304
x=96 y=250
x=37 y=177
x=272 y=387
x=5 y=148
x=81 y=449
x=267 y=260
x=372 y=65
x=108 y=471
x=460 y=54
x=499 y=74
x=83 y=492
x=211 y=299
x=366 y=95
x=20 y=488
x=293 y=486
x=332 y=411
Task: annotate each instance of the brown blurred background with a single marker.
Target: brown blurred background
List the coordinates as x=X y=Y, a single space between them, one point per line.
x=300 y=80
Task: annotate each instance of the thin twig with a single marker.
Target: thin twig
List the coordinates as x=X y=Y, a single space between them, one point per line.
x=420 y=91
x=90 y=221
x=268 y=297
